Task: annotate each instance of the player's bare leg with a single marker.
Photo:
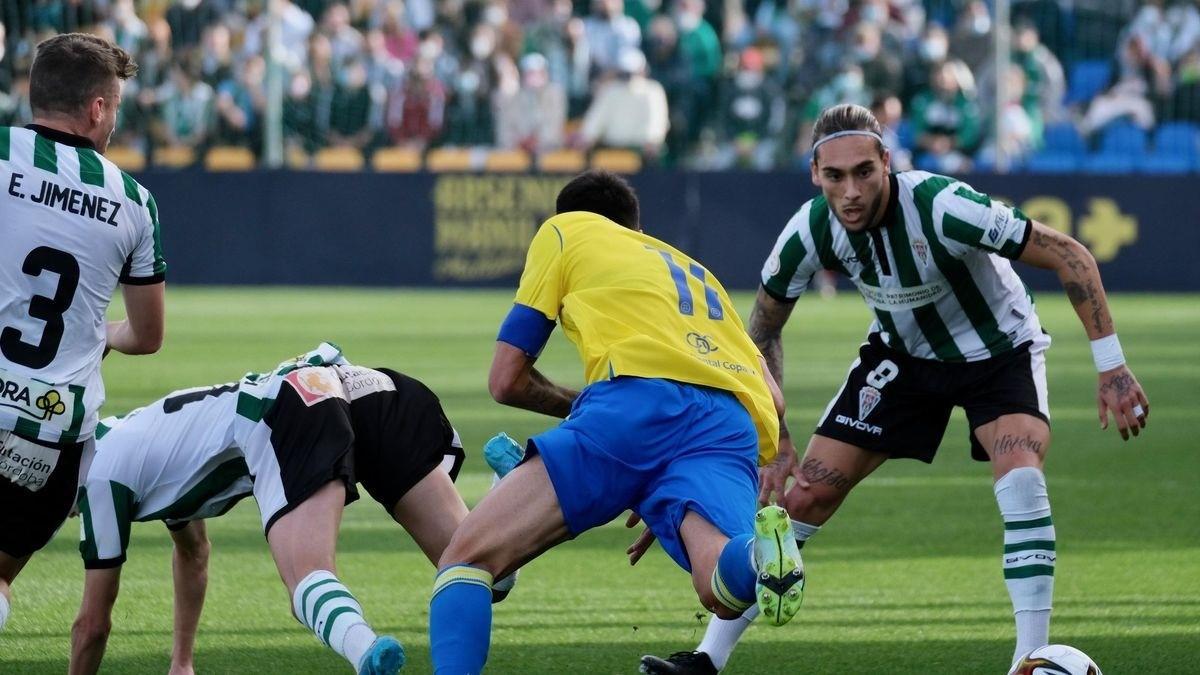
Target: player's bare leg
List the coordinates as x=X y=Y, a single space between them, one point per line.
x=10 y=567
x=514 y=523
x=189 y=566
x=831 y=469
x=303 y=542
x=431 y=512
x=1017 y=445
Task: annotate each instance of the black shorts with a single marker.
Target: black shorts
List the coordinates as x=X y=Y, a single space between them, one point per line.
x=400 y=436
x=900 y=405
x=28 y=519
x=313 y=444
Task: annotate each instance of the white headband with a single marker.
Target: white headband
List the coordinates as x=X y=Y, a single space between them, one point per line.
x=848 y=132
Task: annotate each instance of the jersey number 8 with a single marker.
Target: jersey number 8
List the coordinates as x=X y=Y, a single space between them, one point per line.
x=883 y=373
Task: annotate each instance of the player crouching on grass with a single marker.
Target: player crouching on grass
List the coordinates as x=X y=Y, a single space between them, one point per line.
x=298 y=439
x=678 y=409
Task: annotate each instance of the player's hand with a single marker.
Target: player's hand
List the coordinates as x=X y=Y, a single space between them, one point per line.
x=1120 y=394
x=773 y=477
x=640 y=545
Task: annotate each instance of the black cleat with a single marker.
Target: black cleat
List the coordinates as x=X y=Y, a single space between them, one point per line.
x=679 y=663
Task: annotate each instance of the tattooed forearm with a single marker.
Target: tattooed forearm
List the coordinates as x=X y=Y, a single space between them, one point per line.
x=1009 y=443
x=1079 y=275
x=1076 y=293
x=815 y=472
x=766 y=329
x=542 y=395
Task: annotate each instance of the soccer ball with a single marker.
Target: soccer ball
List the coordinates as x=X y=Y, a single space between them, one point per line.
x=1055 y=660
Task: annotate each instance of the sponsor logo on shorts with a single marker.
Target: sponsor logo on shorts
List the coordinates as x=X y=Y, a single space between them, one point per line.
x=359 y=381
x=701 y=343
x=25 y=463
x=922 y=250
x=315 y=385
x=868 y=398
x=859 y=425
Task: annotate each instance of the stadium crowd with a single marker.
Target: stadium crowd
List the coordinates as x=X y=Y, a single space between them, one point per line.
x=685 y=83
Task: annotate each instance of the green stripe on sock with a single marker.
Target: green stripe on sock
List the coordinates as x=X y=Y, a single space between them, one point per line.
x=332 y=618
x=304 y=598
x=1035 y=545
x=45 y=154
x=331 y=595
x=1029 y=571
x=1028 y=524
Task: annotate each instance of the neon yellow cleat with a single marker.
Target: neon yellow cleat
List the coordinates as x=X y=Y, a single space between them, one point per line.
x=780 y=586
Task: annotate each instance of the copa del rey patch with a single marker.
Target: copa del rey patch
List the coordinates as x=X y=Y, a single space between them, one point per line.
x=316 y=384
x=868 y=398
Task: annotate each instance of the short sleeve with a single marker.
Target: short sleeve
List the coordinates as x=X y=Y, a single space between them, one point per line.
x=542 y=281
x=975 y=220
x=106 y=510
x=791 y=265
x=145 y=264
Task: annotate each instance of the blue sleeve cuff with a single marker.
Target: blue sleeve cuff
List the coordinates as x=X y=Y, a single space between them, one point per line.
x=526 y=329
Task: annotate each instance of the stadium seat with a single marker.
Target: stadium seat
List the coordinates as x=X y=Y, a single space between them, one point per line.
x=617 y=160
x=338 y=159
x=1052 y=161
x=404 y=160
x=173 y=157
x=1109 y=163
x=507 y=161
x=229 y=158
x=296 y=158
x=1063 y=137
x=562 y=161
x=127 y=157
x=1123 y=138
x=450 y=159
x=1177 y=139
x=1165 y=164
x=1087 y=79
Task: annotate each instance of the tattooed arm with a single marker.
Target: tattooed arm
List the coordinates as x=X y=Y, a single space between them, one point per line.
x=514 y=381
x=766 y=329
x=1119 y=391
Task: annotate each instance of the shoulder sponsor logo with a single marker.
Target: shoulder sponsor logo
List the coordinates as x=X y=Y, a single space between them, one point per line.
x=701 y=343
x=315 y=384
x=773 y=265
x=998 y=226
x=358 y=381
x=859 y=425
x=922 y=250
x=868 y=398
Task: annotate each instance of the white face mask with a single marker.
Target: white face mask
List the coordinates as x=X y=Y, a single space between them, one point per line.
x=495 y=15
x=688 y=22
x=481 y=47
x=429 y=50
x=934 y=50
x=748 y=79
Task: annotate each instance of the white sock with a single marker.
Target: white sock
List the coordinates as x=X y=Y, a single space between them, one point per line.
x=4 y=606
x=1029 y=554
x=802 y=532
x=722 y=636
x=328 y=609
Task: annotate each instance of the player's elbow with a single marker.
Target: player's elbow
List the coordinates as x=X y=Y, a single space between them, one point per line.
x=503 y=389
x=147 y=340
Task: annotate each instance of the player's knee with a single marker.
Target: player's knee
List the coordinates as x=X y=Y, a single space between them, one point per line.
x=90 y=629
x=813 y=503
x=469 y=550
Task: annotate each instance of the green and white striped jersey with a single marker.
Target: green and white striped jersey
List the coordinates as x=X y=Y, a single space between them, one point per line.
x=935 y=272
x=73 y=227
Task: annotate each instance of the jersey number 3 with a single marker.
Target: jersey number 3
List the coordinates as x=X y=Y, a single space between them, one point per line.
x=49 y=309
x=711 y=299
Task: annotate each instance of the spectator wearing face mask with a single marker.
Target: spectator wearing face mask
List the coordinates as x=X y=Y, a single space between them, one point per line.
x=1139 y=78
x=469 y=119
x=415 y=112
x=531 y=117
x=946 y=119
x=609 y=32
x=883 y=71
x=752 y=114
x=972 y=39
x=628 y=112
x=932 y=49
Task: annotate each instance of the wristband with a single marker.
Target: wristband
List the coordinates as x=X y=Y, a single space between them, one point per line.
x=1107 y=354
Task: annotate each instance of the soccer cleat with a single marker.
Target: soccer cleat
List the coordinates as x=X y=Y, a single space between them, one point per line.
x=503 y=454
x=780 y=585
x=385 y=657
x=679 y=663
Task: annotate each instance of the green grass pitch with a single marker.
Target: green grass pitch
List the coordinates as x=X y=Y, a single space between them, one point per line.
x=905 y=579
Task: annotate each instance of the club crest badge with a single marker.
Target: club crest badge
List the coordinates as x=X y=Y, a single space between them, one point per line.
x=868 y=398
x=922 y=250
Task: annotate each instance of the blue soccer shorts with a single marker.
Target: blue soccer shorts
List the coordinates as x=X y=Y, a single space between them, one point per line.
x=657 y=447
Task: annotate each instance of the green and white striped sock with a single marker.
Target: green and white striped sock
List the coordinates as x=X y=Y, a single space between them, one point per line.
x=1029 y=554
x=328 y=609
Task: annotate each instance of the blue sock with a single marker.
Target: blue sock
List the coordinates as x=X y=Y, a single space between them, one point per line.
x=460 y=620
x=733 y=580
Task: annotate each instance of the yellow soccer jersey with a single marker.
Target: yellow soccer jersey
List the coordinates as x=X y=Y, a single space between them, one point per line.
x=636 y=306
